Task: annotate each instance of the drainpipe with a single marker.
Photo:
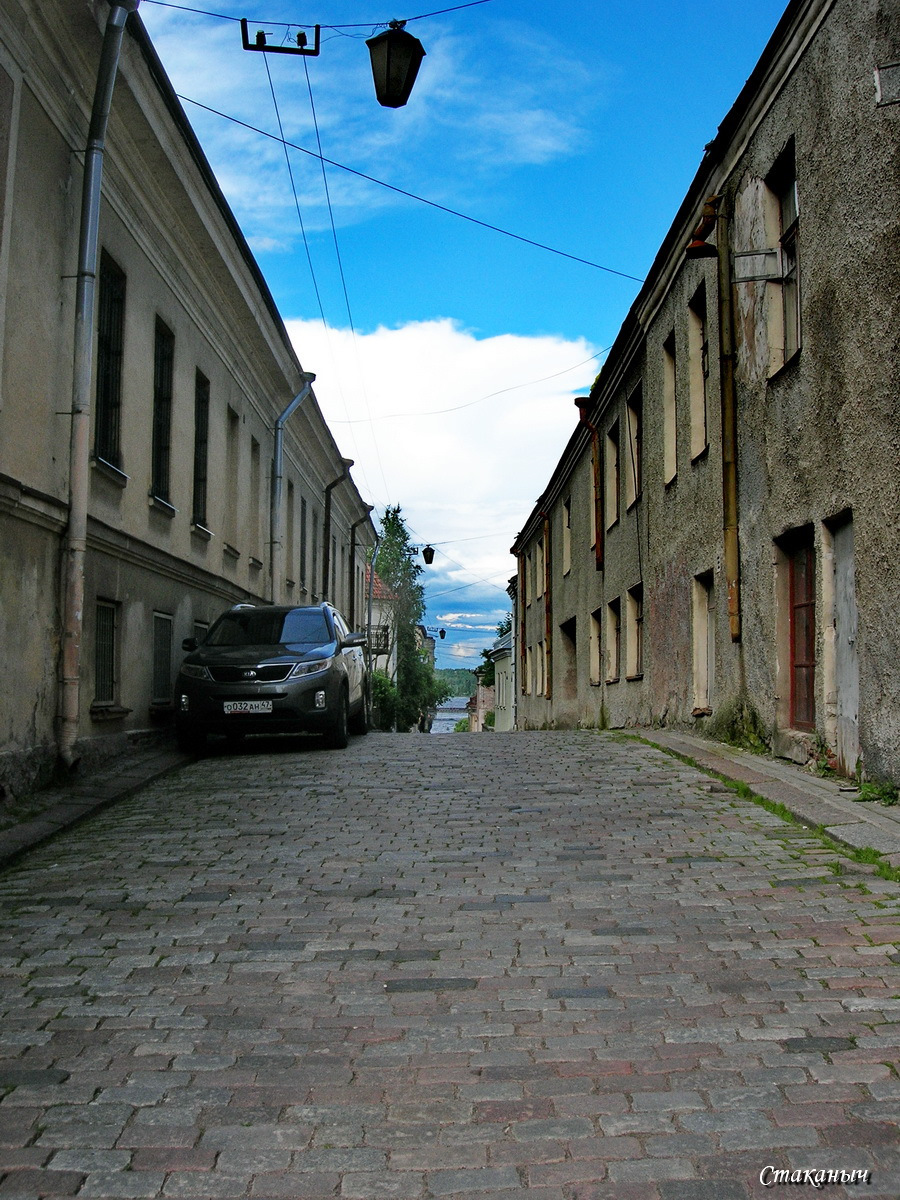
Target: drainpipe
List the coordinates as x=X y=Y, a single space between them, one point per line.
x=347 y=463
x=548 y=614
x=713 y=217
x=277 y=549
x=729 y=429
x=369 y=619
x=353 y=528
x=582 y=404
x=79 y=444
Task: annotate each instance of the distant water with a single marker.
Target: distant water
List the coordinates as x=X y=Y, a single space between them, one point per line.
x=449 y=713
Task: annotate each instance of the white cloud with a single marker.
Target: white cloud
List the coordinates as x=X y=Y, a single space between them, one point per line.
x=462 y=432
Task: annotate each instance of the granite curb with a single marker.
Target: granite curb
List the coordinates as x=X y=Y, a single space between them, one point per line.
x=65 y=806
x=815 y=801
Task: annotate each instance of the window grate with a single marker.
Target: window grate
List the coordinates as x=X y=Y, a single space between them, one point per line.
x=105 y=681
x=162 y=658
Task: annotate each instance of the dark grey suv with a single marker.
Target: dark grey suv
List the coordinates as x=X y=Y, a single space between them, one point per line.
x=273 y=669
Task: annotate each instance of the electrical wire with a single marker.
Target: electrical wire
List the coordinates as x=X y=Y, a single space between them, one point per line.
x=453 y=212
x=340 y=263
x=437 y=412
x=295 y=25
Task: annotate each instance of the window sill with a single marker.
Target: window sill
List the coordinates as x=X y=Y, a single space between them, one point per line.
x=700 y=455
x=200 y=531
x=108 y=471
x=230 y=552
x=109 y=712
x=669 y=484
x=162 y=506
x=613 y=679
x=634 y=678
x=786 y=366
x=255 y=563
x=701 y=712
x=635 y=502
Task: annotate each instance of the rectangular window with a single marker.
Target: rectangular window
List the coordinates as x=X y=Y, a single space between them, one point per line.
x=314 y=574
x=254 y=504
x=670 y=429
x=782 y=184
x=703 y=627
x=110 y=353
x=201 y=448
x=613 y=640
x=162 y=658
x=634 y=412
x=698 y=370
x=303 y=542
x=289 y=538
x=567 y=536
x=163 y=361
x=596 y=647
x=529 y=667
x=232 y=467
x=106 y=673
x=539 y=568
x=611 y=476
x=802 y=576
x=634 y=667
x=529 y=578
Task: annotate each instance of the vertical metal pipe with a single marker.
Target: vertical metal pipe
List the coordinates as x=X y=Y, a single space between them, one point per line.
x=79 y=445
x=276 y=555
x=732 y=561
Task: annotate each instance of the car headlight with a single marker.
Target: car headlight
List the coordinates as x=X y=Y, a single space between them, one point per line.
x=193 y=671
x=310 y=668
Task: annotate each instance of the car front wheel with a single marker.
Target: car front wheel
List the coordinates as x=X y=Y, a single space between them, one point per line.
x=337 y=734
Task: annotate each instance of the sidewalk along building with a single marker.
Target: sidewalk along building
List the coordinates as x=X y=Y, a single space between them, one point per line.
x=718 y=546
x=197 y=491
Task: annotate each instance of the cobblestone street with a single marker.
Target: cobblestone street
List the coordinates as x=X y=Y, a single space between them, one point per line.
x=557 y=964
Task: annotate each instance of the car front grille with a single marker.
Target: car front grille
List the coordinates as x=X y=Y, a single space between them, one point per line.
x=273 y=674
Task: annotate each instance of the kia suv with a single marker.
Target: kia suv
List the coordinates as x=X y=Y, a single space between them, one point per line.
x=273 y=669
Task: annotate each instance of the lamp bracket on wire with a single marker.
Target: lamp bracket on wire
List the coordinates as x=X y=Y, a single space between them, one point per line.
x=259 y=43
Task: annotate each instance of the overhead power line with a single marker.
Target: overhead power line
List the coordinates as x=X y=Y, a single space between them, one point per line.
x=453 y=212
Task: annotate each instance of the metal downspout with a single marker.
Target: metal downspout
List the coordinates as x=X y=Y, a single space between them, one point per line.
x=326 y=526
x=353 y=529
x=582 y=403
x=732 y=560
x=369 y=618
x=276 y=552
x=79 y=444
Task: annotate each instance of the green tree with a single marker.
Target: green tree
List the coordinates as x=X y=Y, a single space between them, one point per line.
x=418 y=689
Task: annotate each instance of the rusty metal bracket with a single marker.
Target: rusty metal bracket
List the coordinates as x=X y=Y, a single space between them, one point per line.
x=261 y=46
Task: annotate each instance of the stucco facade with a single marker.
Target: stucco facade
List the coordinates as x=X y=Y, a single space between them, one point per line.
x=191 y=368
x=718 y=547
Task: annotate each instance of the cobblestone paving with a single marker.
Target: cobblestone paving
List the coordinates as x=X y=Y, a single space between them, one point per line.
x=554 y=964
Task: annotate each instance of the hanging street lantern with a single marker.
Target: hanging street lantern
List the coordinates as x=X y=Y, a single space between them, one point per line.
x=428 y=555
x=396 y=56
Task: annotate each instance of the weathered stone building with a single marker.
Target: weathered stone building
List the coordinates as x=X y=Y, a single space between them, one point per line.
x=192 y=370
x=718 y=546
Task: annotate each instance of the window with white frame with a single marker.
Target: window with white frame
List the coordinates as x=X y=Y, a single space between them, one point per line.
x=670 y=411
x=634 y=641
x=611 y=475
x=698 y=370
x=782 y=185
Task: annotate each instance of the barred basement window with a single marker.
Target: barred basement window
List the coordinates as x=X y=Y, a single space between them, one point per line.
x=162 y=658
x=106 y=682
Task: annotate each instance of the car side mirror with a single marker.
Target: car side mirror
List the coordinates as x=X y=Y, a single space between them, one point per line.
x=354 y=639
x=189 y=644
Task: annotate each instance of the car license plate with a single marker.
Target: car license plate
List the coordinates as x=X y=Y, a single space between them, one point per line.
x=247 y=706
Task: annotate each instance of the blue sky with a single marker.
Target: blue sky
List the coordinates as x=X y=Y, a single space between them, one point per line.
x=577 y=125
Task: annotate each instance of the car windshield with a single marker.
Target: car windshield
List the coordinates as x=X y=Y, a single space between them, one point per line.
x=265 y=627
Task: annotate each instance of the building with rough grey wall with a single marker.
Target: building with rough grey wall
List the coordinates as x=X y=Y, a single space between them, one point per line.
x=718 y=547
x=191 y=368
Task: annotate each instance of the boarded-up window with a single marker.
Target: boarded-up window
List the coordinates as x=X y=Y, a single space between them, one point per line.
x=801 y=558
